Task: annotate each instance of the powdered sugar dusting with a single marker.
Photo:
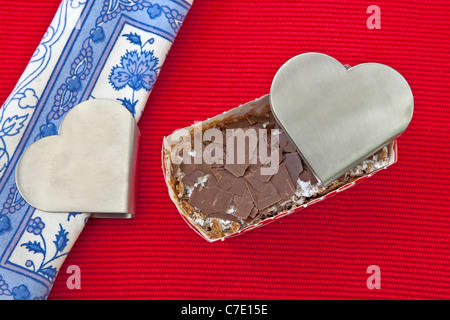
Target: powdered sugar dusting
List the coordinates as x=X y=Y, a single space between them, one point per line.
x=306 y=189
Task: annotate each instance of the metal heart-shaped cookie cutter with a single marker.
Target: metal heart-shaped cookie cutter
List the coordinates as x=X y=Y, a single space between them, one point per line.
x=89 y=167
x=337 y=116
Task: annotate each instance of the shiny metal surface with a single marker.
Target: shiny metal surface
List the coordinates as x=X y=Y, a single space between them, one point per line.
x=89 y=167
x=337 y=117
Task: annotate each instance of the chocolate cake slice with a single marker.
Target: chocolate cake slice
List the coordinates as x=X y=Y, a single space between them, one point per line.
x=221 y=198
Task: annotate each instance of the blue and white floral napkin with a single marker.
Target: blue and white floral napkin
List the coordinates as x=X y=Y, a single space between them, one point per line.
x=110 y=49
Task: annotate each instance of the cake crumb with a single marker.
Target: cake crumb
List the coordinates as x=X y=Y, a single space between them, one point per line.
x=216 y=229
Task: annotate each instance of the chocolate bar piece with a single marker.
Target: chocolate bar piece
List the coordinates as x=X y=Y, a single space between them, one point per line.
x=225 y=196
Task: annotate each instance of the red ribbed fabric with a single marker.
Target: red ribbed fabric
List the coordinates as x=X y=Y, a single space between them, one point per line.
x=226 y=54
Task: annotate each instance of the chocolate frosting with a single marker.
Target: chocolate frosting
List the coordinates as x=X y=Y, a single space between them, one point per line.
x=240 y=190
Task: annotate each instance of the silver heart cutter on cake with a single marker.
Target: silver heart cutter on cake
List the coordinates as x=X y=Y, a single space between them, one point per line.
x=89 y=167
x=337 y=117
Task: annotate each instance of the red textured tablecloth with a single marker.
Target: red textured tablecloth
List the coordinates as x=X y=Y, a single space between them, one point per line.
x=226 y=54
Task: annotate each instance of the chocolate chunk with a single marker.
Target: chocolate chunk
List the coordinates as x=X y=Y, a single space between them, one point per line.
x=187 y=169
x=293 y=165
x=267 y=197
x=307 y=176
x=238 y=170
x=192 y=178
x=253 y=192
x=245 y=206
x=283 y=140
x=290 y=148
x=205 y=168
x=252 y=119
x=258 y=166
x=210 y=200
x=258 y=185
x=237 y=186
x=174 y=170
x=228 y=182
x=258 y=176
x=212 y=181
x=236 y=199
x=286 y=144
x=283 y=183
x=254 y=212
x=224 y=178
x=224 y=216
